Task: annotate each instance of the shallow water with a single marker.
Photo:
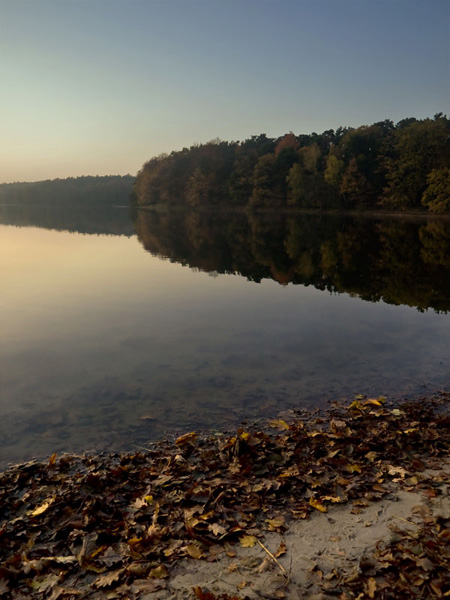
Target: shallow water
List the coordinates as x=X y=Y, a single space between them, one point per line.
x=198 y=322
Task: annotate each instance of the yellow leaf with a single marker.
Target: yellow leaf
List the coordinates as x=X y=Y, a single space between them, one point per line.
x=317 y=505
x=333 y=499
x=353 y=468
x=247 y=541
x=245 y=435
x=373 y=401
x=371 y=587
x=194 y=551
x=412 y=481
x=279 y=424
x=133 y=541
x=276 y=523
x=42 y=508
x=355 y=404
x=148 y=499
x=159 y=572
x=187 y=438
x=51 y=460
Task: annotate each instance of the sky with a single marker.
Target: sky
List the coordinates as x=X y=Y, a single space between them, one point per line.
x=97 y=87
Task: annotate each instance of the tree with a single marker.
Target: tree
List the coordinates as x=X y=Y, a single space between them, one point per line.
x=437 y=195
x=418 y=149
x=266 y=184
x=198 y=189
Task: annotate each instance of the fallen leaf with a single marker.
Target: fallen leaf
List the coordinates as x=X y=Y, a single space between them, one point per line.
x=42 y=508
x=248 y=541
x=371 y=587
x=217 y=529
x=317 y=505
x=279 y=424
x=194 y=551
x=276 y=523
x=187 y=438
x=108 y=579
x=282 y=549
x=159 y=572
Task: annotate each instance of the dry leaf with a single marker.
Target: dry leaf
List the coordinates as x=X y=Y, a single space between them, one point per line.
x=42 y=508
x=278 y=424
x=194 y=551
x=159 y=572
x=317 y=505
x=187 y=438
x=248 y=541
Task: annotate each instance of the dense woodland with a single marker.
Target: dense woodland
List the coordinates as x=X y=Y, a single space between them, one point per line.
x=400 y=167
x=395 y=260
x=105 y=190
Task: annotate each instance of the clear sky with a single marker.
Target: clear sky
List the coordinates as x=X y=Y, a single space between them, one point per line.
x=100 y=86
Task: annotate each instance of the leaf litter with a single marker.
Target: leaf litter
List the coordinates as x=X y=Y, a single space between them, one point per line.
x=115 y=525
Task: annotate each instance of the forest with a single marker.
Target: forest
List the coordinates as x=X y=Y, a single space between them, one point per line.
x=402 y=167
x=87 y=190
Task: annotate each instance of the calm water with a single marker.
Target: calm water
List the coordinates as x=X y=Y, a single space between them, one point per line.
x=197 y=321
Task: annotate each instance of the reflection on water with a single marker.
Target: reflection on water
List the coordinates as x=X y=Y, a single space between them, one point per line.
x=105 y=345
x=397 y=260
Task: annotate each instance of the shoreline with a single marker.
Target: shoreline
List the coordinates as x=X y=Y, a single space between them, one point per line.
x=418 y=214
x=293 y=510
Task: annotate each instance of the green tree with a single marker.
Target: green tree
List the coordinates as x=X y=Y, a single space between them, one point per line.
x=418 y=149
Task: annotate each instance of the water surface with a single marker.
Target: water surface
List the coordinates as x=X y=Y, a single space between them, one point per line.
x=201 y=320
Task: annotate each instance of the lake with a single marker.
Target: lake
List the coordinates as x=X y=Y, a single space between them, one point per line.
x=119 y=328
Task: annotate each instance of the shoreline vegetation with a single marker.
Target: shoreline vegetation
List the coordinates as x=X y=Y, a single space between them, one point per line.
x=402 y=167
x=298 y=508
x=83 y=192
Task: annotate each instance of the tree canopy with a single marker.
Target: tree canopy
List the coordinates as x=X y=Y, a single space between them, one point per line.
x=397 y=167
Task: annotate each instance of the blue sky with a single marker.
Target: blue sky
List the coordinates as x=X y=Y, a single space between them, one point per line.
x=100 y=86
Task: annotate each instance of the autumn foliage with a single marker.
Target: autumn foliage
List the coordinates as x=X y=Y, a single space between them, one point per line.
x=115 y=524
x=384 y=166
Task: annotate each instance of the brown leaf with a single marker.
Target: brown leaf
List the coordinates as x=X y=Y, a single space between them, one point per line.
x=282 y=549
x=108 y=579
x=194 y=551
x=371 y=587
x=217 y=529
x=187 y=438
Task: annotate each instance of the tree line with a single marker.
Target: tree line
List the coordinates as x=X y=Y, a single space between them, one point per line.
x=381 y=166
x=86 y=190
